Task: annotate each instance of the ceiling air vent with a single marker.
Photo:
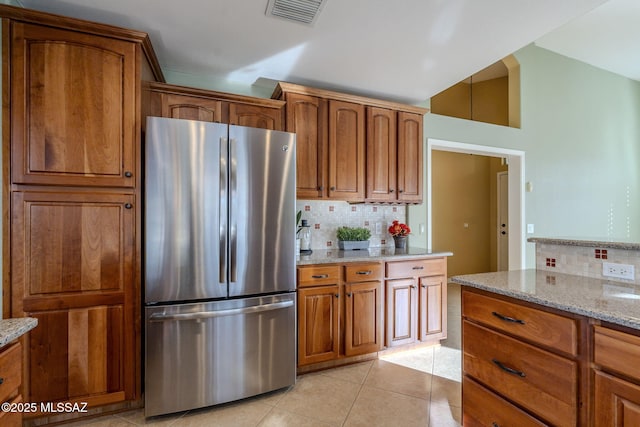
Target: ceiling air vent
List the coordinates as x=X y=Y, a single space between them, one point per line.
x=302 y=11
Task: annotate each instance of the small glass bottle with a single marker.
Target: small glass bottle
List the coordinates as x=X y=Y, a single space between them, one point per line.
x=305 y=237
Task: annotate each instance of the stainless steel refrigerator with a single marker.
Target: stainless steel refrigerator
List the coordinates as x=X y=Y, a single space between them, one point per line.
x=220 y=304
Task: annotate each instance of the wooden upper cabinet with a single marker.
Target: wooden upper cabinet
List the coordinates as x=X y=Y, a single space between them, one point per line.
x=381 y=154
x=410 y=157
x=190 y=108
x=73 y=108
x=180 y=102
x=346 y=151
x=370 y=149
x=307 y=117
x=255 y=116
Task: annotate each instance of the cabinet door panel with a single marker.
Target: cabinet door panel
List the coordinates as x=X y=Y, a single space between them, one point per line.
x=617 y=402
x=192 y=108
x=71 y=243
x=76 y=353
x=255 y=116
x=307 y=118
x=318 y=334
x=401 y=312
x=363 y=318
x=346 y=151
x=409 y=157
x=432 y=308
x=381 y=154
x=77 y=123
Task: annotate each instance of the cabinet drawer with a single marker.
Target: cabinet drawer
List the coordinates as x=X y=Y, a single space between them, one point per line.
x=484 y=408
x=417 y=268
x=11 y=419
x=10 y=370
x=541 y=327
x=535 y=379
x=318 y=275
x=617 y=351
x=362 y=272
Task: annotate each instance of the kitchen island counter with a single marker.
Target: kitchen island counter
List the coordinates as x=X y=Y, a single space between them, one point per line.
x=319 y=256
x=610 y=301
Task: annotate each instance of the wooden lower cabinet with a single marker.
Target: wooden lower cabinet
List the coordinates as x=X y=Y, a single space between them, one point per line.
x=73 y=258
x=432 y=306
x=481 y=408
x=10 y=383
x=329 y=329
x=402 y=311
x=616 y=401
x=318 y=324
x=416 y=292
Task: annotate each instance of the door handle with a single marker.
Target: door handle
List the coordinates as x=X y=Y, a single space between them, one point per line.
x=223 y=210
x=163 y=317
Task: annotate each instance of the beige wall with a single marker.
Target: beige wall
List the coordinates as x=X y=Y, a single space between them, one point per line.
x=484 y=101
x=464 y=192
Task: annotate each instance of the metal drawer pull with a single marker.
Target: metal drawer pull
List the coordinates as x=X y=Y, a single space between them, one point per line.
x=366 y=273
x=506 y=318
x=508 y=369
x=419 y=268
x=494 y=424
x=320 y=276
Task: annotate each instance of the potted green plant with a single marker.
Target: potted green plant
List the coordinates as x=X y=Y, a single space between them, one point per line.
x=353 y=238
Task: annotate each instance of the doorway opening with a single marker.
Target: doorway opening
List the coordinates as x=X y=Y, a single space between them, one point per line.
x=515 y=237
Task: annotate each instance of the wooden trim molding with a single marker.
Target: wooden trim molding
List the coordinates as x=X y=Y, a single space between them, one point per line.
x=284 y=87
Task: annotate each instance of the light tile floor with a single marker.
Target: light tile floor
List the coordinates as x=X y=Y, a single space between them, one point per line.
x=411 y=388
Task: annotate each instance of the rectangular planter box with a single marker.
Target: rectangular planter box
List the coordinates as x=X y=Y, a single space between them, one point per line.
x=353 y=245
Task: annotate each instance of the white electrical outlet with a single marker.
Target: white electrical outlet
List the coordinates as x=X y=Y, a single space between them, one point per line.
x=620 y=271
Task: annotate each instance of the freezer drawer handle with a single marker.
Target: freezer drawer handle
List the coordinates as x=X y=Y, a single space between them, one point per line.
x=160 y=317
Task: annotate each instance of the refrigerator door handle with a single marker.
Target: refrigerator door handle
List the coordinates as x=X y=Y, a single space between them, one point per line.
x=160 y=317
x=233 y=200
x=223 y=214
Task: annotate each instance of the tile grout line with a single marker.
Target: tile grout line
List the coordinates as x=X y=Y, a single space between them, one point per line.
x=357 y=394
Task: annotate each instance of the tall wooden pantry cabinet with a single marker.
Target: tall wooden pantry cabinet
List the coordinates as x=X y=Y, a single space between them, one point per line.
x=72 y=183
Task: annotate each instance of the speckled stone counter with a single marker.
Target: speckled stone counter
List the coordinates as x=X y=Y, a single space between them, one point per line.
x=605 y=300
x=373 y=254
x=11 y=329
x=589 y=243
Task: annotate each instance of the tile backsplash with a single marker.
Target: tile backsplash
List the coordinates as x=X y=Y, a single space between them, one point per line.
x=584 y=260
x=326 y=216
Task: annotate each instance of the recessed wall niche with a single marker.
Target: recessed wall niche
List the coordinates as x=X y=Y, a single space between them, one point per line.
x=491 y=95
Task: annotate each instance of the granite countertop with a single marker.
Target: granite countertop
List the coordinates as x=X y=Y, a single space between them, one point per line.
x=606 y=300
x=372 y=254
x=590 y=243
x=11 y=329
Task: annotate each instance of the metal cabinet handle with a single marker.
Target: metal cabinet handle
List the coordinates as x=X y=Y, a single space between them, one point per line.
x=494 y=424
x=413 y=286
x=337 y=295
x=349 y=294
x=400 y=191
x=321 y=188
x=128 y=174
x=332 y=188
x=128 y=205
x=424 y=286
x=391 y=190
x=363 y=272
x=507 y=318
x=418 y=267
x=508 y=369
x=319 y=276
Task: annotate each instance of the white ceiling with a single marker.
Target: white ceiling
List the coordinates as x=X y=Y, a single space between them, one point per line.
x=405 y=50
